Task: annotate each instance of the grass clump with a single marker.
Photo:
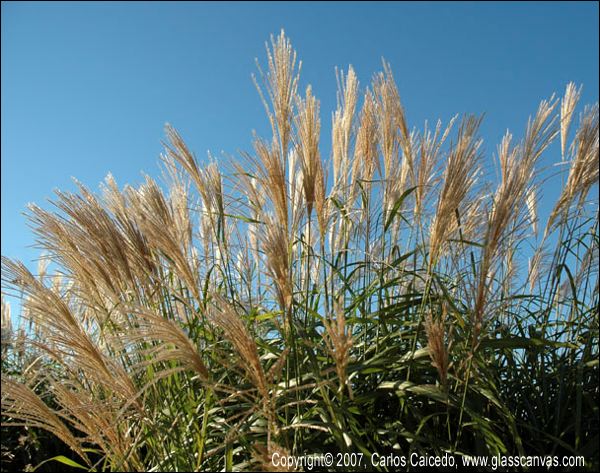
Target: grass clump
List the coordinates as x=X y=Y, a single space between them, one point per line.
x=376 y=302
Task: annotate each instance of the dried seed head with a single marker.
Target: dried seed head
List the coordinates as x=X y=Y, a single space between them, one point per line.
x=342 y=122
x=281 y=84
x=223 y=315
x=459 y=179
x=439 y=344
x=567 y=107
x=339 y=341
x=583 y=173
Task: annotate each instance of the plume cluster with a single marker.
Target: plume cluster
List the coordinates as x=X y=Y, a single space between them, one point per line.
x=284 y=303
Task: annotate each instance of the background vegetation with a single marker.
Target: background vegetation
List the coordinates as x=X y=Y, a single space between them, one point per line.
x=396 y=297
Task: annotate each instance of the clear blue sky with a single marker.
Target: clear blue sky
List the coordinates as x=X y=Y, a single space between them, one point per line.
x=87 y=88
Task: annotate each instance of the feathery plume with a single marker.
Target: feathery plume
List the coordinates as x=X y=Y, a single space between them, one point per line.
x=567 y=107
x=174 y=344
x=342 y=122
x=63 y=331
x=460 y=177
x=583 y=173
x=517 y=166
x=281 y=85
x=339 y=341
x=439 y=344
x=20 y=403
x=365 y=150
x=224 y=316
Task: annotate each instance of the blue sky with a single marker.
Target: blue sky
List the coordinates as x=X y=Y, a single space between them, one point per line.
x=88 y=87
